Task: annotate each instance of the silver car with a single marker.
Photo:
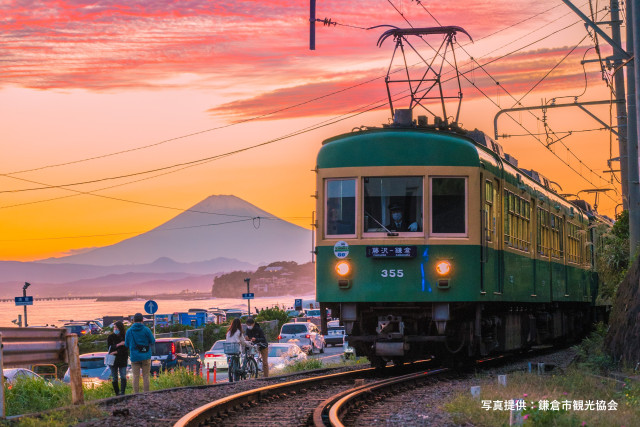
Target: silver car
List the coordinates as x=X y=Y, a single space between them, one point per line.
x=305 y=334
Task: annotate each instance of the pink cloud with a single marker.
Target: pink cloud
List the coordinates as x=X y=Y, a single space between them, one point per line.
x=115 y=44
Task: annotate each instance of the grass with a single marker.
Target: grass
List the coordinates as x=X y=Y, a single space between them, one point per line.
x=32 y=395
x=570 y=387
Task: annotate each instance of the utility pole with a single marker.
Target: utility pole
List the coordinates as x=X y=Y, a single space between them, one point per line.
x=633 y=37
x=621 y=111
x=628 y=153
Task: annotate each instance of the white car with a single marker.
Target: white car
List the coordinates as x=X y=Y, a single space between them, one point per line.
x=216 y=354
x=16 y=374
x=284 y=354
x=305 y=334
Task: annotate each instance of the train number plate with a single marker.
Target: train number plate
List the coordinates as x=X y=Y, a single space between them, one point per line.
x=391 y=251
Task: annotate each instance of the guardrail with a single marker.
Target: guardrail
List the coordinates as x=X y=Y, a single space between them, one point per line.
x=28 y=346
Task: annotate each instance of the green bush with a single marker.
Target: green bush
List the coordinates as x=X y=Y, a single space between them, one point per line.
x=591 y=352
x=92 y=343
x=212 y=333
x=612 y=257
x=274 y=313
x=34 y=395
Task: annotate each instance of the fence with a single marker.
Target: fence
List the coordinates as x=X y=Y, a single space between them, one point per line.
x=21 y=347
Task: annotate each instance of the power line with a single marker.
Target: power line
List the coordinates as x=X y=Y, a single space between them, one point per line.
x=130 y=232
x=268 y=113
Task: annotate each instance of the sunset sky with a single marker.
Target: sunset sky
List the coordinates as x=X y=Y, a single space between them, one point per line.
x=107 y=91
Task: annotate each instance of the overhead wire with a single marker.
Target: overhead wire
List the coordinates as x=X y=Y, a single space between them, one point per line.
x=517 y=102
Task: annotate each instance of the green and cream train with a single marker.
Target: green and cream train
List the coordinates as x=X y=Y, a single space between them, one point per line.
x=433 y=242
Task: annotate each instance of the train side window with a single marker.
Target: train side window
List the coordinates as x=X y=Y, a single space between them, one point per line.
x=449 y=206
x=392 y=204
x=340 y=205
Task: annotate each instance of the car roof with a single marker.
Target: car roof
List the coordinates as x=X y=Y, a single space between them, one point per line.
x=96 y=354
x=172 y=339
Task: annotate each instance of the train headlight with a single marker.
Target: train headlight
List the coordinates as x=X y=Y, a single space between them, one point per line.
x=343 y=268
x=443 y=268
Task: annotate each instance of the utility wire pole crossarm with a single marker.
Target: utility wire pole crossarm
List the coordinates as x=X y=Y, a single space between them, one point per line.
x=628 y=119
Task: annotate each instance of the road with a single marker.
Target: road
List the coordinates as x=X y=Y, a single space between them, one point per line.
x=330 y=355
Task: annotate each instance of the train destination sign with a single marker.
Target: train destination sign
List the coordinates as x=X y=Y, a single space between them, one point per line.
x=391 y=251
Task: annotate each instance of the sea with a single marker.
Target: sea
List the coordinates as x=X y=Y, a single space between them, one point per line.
x=57 y=312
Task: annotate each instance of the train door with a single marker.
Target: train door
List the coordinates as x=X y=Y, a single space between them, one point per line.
x=543 y=253
x=490 y=281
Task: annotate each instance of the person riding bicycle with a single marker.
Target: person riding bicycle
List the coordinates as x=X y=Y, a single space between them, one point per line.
x=256 y=335
x=234 y=334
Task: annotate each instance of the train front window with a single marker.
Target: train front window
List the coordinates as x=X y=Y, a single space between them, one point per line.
x=449 y=206
x=392 y=204
x=341 y=207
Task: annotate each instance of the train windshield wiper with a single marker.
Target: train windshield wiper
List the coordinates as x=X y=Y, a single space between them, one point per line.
x=389 y=232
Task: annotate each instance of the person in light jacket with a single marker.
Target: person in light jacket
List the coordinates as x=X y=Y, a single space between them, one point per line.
x=139 y=340
x=234 y=334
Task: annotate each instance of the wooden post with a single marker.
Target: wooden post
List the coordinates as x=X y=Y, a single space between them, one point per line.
x=3 y=411
x=75 y=374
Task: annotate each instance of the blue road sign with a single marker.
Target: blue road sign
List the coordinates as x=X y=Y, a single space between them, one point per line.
x=24 y=300
x=297 y=304
x=247 y=296
x=151 y=306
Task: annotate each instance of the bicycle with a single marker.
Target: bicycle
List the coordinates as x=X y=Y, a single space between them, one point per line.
x=249 y=366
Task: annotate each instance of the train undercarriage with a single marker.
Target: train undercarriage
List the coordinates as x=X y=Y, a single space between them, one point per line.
x=455 y=332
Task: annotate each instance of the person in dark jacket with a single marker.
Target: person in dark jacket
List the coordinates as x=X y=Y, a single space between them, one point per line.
x=255 y=334
x=115 y=346
x=398 y=223
x=139 y=340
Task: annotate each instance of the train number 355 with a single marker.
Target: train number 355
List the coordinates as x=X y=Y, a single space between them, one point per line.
x=392 y=273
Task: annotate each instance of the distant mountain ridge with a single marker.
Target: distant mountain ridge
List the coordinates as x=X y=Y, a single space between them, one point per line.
x=218 y=235
x=219 y=226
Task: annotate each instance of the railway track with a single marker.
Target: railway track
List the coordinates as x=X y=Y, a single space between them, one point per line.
x=328 y=400
x=342 y=409
x=288 y=403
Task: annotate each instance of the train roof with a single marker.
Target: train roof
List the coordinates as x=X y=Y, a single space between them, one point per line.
x=405 y=146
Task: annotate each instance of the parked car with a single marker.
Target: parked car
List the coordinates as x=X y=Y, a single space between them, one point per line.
x=304 y=334
x=281 y=355
x=77 y=328
x=16 y=374
x=293 y=313
x=171 y=353
x=335 y=335
x=93 y=369
x=216 y=354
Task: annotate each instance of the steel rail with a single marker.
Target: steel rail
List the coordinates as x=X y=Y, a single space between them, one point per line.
x=227 y=404
x=339 y=404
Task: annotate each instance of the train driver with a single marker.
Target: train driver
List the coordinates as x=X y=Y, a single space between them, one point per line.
x=398 y=223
